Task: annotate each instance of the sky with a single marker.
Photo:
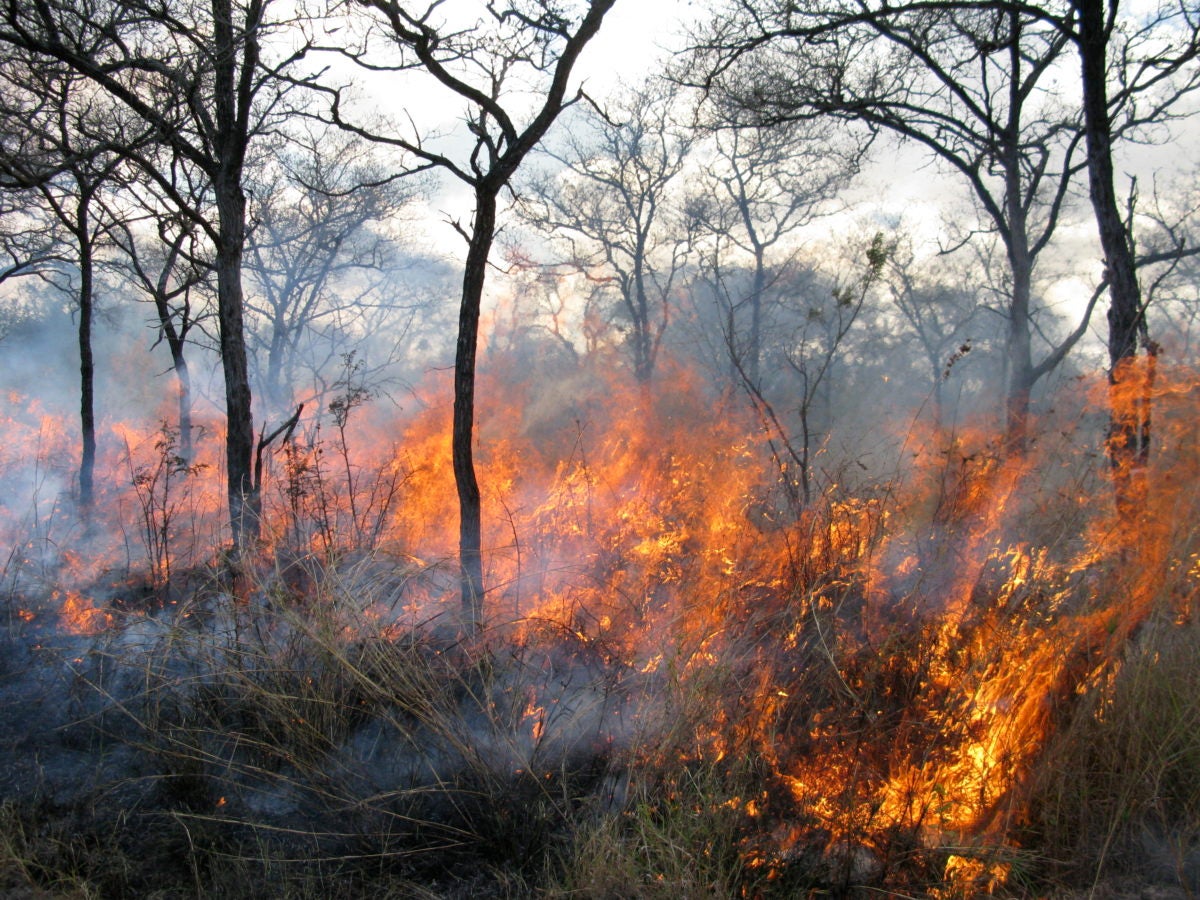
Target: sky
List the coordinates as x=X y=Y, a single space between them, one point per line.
x=636 y=38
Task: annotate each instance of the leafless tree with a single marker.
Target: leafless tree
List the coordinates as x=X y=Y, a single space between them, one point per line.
x=166 y=256
x=512 y=71
x=968 y=82
x=69 y=151
x=610 y=206
x=323 y=251
x=758 y=189
x=1134 y=72
x=195 y=73
x=941 y=311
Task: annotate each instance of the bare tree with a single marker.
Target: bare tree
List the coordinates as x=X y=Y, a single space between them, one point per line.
x=195 y=74
x=1172 y=296
x=323 y=251
x=817 y=344
x=1151 y=63
x=758 y=189
x=941 y=311
x=165 y=255
x=72 y=199
x=68 y=152
x=967 y=82
x=513 y=74
x=29 y=239
x=611 y=208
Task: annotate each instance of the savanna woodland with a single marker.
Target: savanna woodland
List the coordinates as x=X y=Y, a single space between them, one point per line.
x=590 y=448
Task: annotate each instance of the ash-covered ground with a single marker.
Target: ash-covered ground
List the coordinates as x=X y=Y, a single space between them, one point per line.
x=329 y=718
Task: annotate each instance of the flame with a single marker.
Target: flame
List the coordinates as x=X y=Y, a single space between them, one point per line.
x=78 y=615
x=535 y=715
x=898 y=649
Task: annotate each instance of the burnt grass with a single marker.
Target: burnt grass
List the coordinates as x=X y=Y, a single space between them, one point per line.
x=319 y=742
x=124 y=779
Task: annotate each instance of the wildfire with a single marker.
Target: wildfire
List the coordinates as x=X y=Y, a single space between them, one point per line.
x=892 y=657
x=78 y=615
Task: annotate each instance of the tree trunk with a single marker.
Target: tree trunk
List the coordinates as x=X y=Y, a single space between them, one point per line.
x=175 y=343
x=754 y=348
x=643 y=359
x=1129 y=431
x=470 y=527
x=239 y=428
x=235 y=59
x=1020 y=352
x=87 y=366
x=184 y=378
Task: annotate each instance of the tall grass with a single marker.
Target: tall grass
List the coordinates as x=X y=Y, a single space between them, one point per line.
x=967 y=679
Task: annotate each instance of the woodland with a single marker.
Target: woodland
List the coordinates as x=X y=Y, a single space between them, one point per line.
x=545 y=448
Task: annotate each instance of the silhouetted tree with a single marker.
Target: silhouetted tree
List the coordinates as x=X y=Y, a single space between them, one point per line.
x=966 y=82
x=323 y=251
x=70 y=149
x=165 y=255
x=758 y=188
x=512 y=71
x=1150 y=62
x=195 y=74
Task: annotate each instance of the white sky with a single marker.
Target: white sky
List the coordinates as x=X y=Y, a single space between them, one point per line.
x=637 y=37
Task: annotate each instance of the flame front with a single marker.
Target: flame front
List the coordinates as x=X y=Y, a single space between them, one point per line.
x=893 y=654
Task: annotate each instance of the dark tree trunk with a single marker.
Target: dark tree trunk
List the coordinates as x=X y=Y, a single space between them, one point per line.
x=1020 y=351
x=494 y=159
x=1129 y=430
x=233 y=92
x=470 y=524
x=184 y=378
x=176 y=345
x=87 y=365
x=643 y=341
x=239 y=438
x=754 y=345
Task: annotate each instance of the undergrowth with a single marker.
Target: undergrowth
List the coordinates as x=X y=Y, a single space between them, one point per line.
x=969 y=680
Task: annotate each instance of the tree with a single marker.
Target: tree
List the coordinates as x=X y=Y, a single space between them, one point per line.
x=72 y=197
x=194 y=73
x=172 y=266
x=940 y=309
x=69 y=153
x=969 y=83
x=817 y=343
x=29 y=239
x=758 y=189
x=321 y=254
x=610 y=208
x=1172 y=296
x=1151 y=63
x=492 y=68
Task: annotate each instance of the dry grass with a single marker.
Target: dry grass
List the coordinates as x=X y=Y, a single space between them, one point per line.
x=1118 y=788
x=326 y=731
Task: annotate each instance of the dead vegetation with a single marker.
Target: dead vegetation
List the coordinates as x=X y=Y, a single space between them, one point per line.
x=959 y=681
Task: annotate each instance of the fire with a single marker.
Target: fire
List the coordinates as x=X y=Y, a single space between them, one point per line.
x=79 y=615
x=892 y=654
x=535 y=715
